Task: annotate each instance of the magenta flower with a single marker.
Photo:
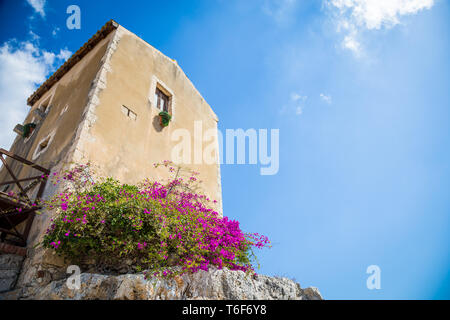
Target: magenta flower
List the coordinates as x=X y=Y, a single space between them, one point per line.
x=148 y=223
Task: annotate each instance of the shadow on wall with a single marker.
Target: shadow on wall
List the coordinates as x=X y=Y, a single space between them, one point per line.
x=158 y=127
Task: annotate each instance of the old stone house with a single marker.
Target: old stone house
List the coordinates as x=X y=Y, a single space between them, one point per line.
x=101 y=106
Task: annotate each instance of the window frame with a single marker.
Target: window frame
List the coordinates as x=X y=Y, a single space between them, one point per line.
x=164 y=98
x=157 y=84
x=38 y=151
x=47 y=101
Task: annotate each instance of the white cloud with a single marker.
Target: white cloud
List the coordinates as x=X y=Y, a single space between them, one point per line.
x=38 y=6
x=23 y=66
x=354 y=16
x=33 y=35
x=64 y=54
x=374 y=14
x=352 y=44
x=50 y=58
x=325 y=98
x=296 y=104
x=296 y=97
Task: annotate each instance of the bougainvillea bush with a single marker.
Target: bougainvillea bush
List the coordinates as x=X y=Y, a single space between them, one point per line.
x=165 y=227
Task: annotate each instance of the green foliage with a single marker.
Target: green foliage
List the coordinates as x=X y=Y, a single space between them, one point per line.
x=27 y=129
x=165 y=118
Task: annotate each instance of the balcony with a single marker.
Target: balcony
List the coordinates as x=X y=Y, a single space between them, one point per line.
x=18 y=208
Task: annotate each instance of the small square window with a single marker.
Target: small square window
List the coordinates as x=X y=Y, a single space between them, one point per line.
x=43 y=144
x=44 y=106
x=162 y=97
x=162 y=100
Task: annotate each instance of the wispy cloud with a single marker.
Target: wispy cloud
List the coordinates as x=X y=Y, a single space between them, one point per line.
x=299 y=103
x=55 y=31
x=280 y=10
x=23 y=66
x=295 y=104
x=354 y=16
x=38 y=6
x=33 y=36
x=326 y=98
x=297 y=97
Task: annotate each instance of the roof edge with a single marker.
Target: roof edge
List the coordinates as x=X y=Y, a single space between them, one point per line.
x=73 y=60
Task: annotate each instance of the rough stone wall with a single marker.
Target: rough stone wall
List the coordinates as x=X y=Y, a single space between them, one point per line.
x=202 y=285
x=10 y=265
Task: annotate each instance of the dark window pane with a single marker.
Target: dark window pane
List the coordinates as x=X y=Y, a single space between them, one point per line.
x=162 y=100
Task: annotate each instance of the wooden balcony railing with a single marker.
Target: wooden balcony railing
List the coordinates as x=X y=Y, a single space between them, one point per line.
x=18 y=208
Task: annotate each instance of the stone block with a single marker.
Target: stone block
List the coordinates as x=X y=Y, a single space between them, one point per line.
x=10 y=261
x=7 y=284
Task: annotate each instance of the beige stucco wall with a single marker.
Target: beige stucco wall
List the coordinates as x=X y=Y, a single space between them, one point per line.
x=120 y=70
x=127 y=149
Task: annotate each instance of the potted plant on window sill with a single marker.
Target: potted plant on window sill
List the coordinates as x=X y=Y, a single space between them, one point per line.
x=164 y=118
x=28 y=129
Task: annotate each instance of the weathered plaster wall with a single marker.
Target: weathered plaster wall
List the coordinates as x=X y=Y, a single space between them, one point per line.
x=71 y=94
x=68 y=109
x=127 y=149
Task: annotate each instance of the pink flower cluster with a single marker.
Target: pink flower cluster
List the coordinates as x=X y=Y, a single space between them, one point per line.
x=158 y=225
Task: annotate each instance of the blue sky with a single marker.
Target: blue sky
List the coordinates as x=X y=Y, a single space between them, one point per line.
x=359 y=90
